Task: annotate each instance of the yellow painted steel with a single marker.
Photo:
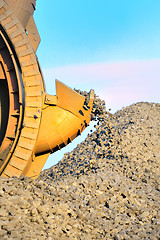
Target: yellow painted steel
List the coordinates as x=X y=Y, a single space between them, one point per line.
x=42 y=123
x=62 y=120
x=64 y=117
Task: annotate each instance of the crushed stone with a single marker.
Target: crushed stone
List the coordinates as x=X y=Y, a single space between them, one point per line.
x=108 y=187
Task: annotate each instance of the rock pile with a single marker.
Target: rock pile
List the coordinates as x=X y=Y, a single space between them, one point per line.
x=106 y=188
x=99 y=112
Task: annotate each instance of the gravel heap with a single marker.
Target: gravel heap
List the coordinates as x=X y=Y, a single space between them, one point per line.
x=106 y=188
x=99 y=112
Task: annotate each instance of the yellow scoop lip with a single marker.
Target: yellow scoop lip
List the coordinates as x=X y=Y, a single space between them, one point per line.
x=64 y=117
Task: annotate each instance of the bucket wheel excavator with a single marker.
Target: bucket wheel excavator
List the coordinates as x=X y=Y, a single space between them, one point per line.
x=33 y=124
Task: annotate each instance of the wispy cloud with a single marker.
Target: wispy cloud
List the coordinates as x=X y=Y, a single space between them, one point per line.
x=118 y=83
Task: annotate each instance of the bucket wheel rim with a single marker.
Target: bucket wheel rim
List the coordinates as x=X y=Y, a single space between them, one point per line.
x=21 y=154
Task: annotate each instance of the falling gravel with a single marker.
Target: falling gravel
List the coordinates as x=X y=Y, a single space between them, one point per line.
x=107 y=188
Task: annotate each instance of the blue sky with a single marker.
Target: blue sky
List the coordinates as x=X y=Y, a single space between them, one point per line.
x=79 y=36
x=112 y=46
x=85 y=31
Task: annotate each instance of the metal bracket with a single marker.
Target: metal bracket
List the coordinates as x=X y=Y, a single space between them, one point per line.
x=50 y=100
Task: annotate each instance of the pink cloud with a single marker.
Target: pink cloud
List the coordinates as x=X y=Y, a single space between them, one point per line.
x=118 y=83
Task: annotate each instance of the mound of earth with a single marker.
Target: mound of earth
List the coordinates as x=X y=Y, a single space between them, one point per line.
x=106 y=188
